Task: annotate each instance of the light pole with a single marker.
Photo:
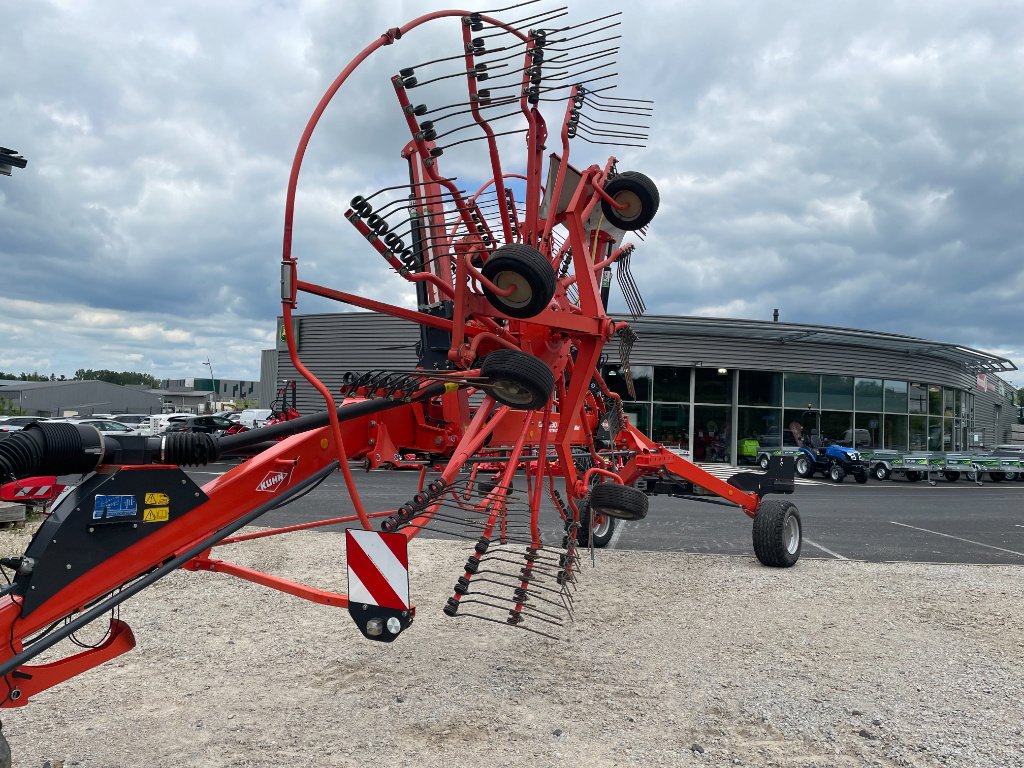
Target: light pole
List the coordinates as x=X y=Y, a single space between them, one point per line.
x=213 y=381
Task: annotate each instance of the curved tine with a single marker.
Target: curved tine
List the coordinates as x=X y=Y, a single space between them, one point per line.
x=490 y=103
x=406 y=185
x=460 y=73
x=587 y=118
x=493 y=119
x=481 y=138
x=587 y=23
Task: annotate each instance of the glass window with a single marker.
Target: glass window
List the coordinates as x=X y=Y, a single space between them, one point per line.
x=796 y=423
x=837 y=392
x=947 y=435
x=712 y=385
x=917 y=398
x=641 y=381
x=801 y=390
x=760 y=388
x=710 y=432
x=869 y=394
x=671 y=425
x=895 y=435
x=868 y=430
x=763 y=425
x=958 y=403
x=639 y=416
x=837 y=425
x=672 y=383
x=935 y=434
x=918 y=433
x=935 y=400
x=948 y=402
x=895 y=396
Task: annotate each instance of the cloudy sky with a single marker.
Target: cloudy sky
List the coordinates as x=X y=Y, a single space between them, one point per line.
x=858 y=164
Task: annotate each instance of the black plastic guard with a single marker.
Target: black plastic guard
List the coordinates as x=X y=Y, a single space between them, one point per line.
x=778 y=478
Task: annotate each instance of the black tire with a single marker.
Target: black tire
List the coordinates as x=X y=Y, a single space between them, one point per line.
x=1011 y=476
x=604 y=527
x=623 y=502
x=996 y=477
x=518 y=380
x=836 y=473
x=803 y=467
x=763 y=462
x=861 y=477
x=913 y=477
x=882 y=472
x=639 y=194
x=951 y=477
x=778 y=534
x=525 y=269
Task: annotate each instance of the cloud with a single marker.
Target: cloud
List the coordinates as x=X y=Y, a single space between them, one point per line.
x=855 y=164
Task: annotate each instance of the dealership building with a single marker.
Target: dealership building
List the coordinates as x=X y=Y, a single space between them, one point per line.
x=711 y=385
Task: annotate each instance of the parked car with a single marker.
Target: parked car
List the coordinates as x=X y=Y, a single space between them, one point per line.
x=17 y=423
x=254 y=417
x=158 y=424
x=210 y=424
x=140 y=421
x=105 y=426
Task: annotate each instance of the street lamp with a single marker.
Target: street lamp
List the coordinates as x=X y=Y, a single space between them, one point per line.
x=213 y=381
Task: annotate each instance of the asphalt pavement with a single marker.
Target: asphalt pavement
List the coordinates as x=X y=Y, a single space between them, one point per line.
x=878 y=522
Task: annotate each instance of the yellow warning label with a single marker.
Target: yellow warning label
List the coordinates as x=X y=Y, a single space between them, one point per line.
x=156 y=514
x=158 y=498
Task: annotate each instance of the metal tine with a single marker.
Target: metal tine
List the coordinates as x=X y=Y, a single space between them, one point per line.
x=589 y=119
x=557 y=603
x=577 y=27
x=535 y=19
x=553 y=88
x=482 y=138
x=474 y=124
x=564 y=49
x=502 y=101
x=565 y=63
x=505 y=623
x=620 y=134
x=382 y=190
x=575 y=76
x=460 y=73
x=588 y=91
x=479 y=577
x=608 y=143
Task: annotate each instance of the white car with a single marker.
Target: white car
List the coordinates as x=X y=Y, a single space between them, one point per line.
x=254 y=417
x=158 y=424
x=104 y=426
x=140 y=421
x=17 y=423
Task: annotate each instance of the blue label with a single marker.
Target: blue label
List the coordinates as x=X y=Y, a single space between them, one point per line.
x=114 y=507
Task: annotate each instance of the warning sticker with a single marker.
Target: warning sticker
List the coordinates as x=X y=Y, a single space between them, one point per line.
x=157 y=498
x=114 y=507
x=156 y=514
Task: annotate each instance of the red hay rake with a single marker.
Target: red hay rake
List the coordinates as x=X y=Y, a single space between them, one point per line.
x=511 y=282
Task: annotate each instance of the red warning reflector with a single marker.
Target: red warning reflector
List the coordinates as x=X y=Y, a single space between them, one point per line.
x=378 y=568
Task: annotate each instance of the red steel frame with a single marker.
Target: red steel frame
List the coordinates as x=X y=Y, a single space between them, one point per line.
x=570 y=419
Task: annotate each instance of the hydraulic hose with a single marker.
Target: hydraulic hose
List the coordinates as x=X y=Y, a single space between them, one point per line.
x=56 y=448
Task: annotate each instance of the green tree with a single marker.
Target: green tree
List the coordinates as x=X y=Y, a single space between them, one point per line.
x=124 y=378
x=9 y=408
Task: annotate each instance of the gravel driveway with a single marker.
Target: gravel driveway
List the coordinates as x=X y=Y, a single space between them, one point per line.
x=672 y=660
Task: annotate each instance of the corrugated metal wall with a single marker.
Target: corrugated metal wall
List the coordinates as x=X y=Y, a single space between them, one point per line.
x=333 y=344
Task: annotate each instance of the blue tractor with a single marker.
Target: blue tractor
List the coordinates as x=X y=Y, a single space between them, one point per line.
x=818 y=454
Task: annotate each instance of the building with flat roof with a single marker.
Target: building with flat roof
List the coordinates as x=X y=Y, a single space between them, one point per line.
x=710 y=385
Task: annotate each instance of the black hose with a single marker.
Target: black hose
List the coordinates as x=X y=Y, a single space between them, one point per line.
x=46 y=448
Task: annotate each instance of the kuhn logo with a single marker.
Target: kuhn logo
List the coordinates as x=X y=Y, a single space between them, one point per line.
x=272 y=481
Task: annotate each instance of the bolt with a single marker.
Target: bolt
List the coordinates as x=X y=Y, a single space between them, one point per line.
x=135 y=525
x=68 y=566
x=92 y=530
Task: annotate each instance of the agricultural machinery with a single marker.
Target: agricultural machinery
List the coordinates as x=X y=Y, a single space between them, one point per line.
x=511 y=281
x=819 y=454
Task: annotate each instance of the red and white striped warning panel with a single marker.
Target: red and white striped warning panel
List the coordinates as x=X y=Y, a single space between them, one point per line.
x=31 y=488
x=378 y=568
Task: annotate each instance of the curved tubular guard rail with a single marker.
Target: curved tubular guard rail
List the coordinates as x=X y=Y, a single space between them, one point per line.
x=289 y=262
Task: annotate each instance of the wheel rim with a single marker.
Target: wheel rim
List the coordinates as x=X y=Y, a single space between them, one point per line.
x=522 y=291
x=633 y=205
x=764 y=463
x=512 y=392
x=801 y=466
x=791 y=533
x=601 y=525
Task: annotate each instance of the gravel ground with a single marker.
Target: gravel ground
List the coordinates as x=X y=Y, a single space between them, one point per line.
x=672 y=660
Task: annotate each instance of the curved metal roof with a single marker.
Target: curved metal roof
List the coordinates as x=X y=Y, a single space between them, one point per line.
x=973 y=360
